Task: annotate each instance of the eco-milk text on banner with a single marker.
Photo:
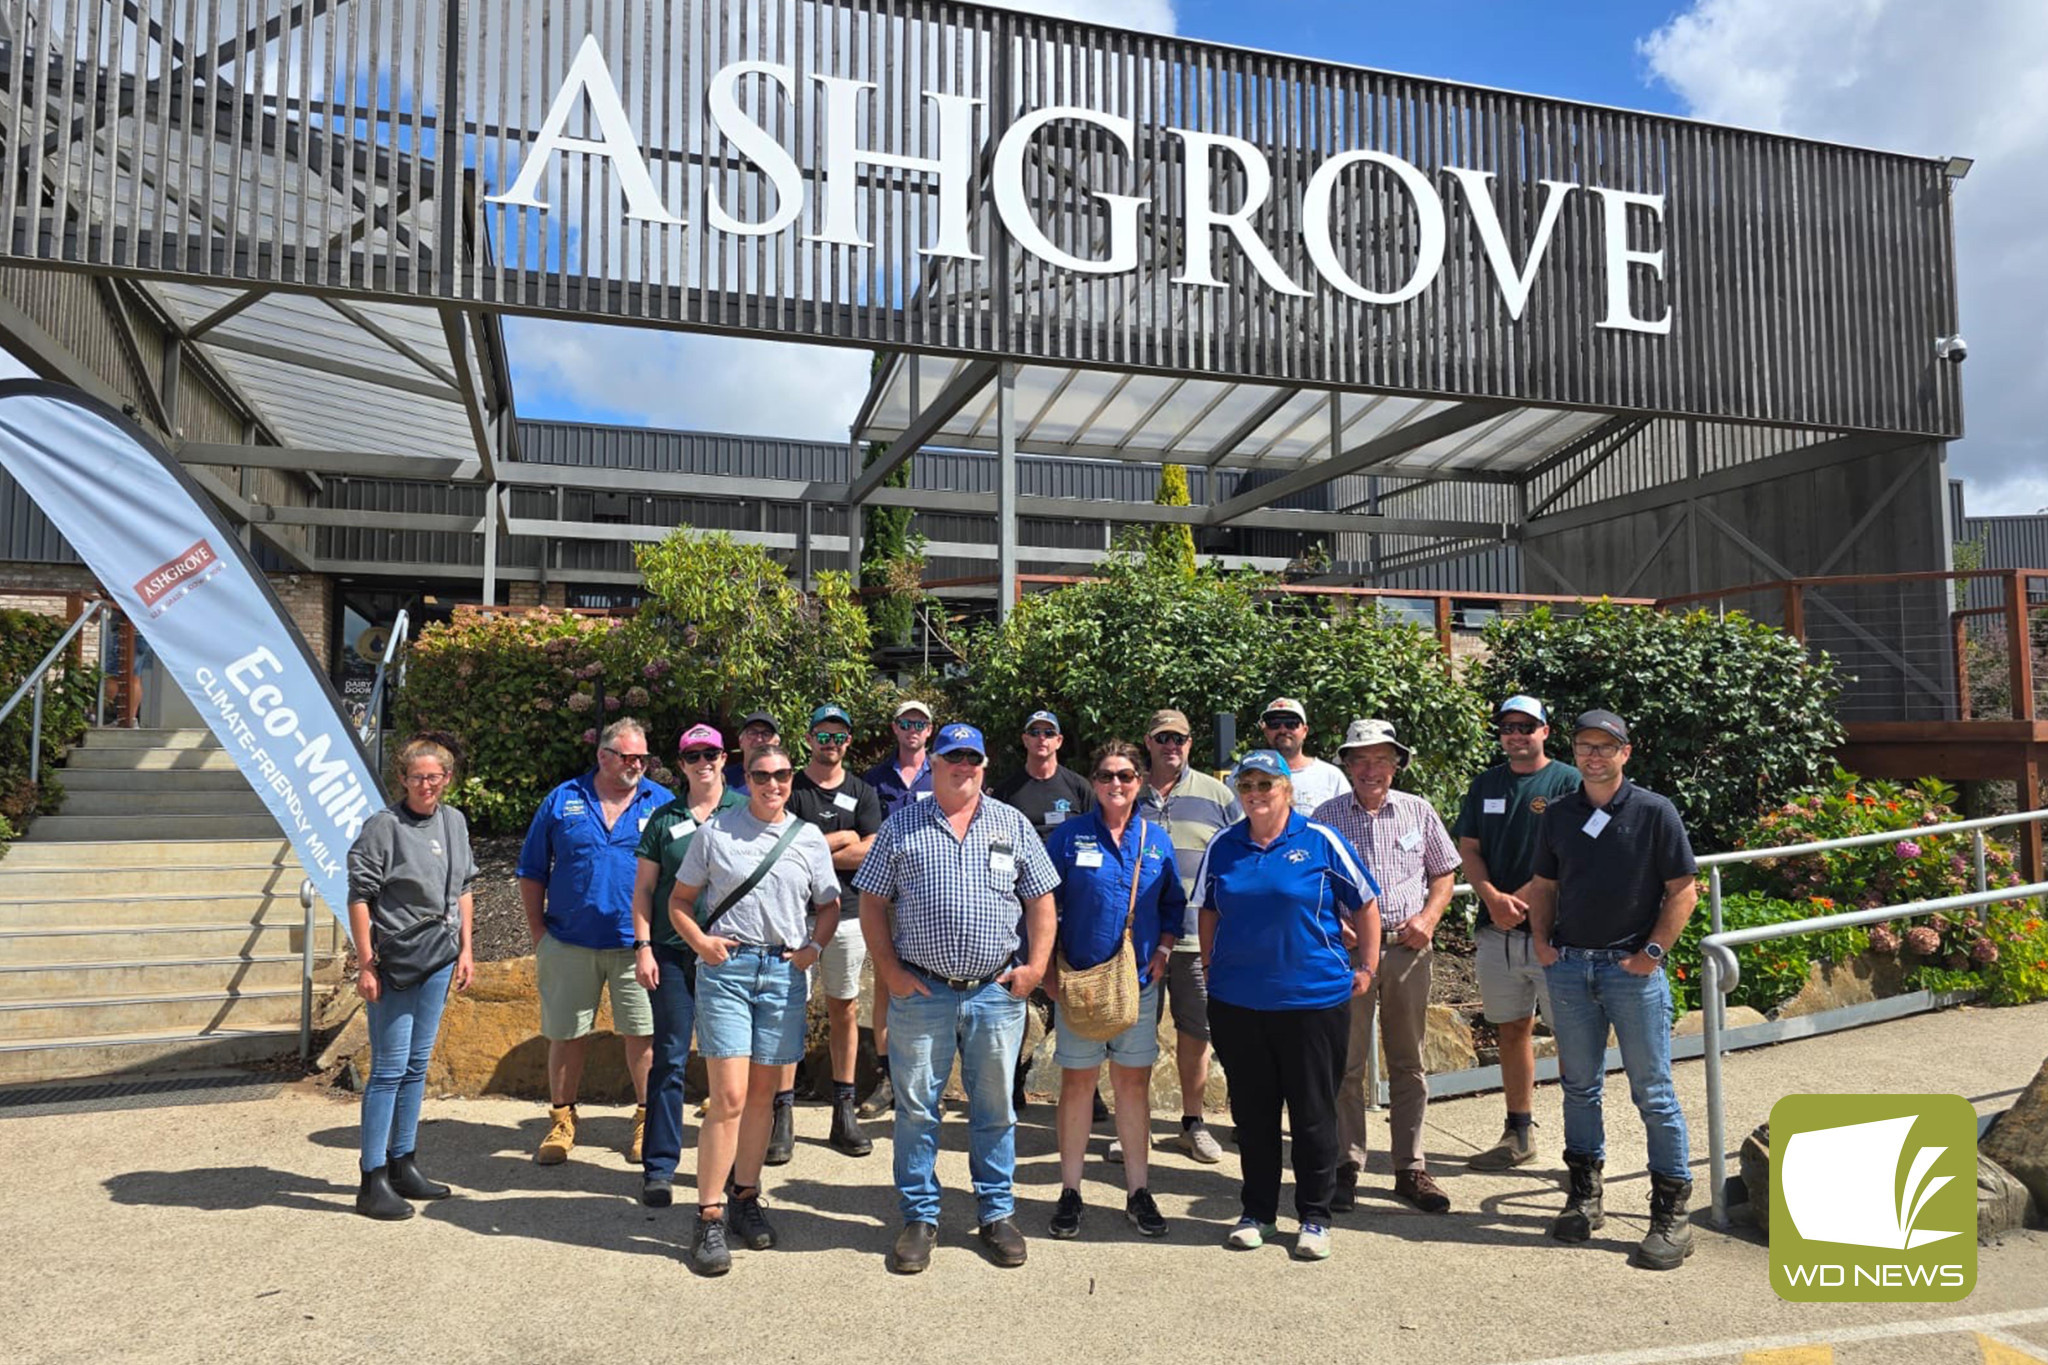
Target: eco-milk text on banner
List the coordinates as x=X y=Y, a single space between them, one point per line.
x=188 y=586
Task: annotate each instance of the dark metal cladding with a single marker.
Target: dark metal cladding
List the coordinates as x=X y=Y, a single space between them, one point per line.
x=310 y=147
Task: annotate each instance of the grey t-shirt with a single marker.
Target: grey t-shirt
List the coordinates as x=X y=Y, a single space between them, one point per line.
x=725 y=853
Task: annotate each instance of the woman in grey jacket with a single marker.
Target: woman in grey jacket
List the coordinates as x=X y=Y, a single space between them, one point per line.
x=411 y=863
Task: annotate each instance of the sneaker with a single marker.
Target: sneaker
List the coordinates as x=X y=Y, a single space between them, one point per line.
x=1198 y=1142
x=657 y=1193
x=561 y=1138
x=639 y=1142
x=1516 y=1147
x=1249 y=1234
x=708 y=1252
x=1312 y=1243
x=1420 y=1190
x=1144 y=1214
x=1066 y=1219
x=881 y=1100
x=781 y=1136
x=748 y=1223
x=1116 y=1151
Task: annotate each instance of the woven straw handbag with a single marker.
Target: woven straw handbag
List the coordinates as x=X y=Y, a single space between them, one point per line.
x=1100 y=1002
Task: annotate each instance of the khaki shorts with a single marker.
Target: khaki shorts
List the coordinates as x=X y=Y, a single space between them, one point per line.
x=836 y=973
x=573 y=978
x=1511 y=982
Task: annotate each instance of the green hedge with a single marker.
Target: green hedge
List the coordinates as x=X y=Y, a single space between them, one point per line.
x=68 y=697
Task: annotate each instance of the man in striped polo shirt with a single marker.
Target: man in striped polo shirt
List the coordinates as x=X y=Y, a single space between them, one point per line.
x=1404 y=844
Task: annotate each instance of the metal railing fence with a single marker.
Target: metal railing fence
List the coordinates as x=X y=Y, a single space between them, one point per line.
x=35 y=681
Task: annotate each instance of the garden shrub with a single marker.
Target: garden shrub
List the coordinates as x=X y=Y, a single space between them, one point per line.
x=1728 y=715
x=68 y=697
x=1772 y=972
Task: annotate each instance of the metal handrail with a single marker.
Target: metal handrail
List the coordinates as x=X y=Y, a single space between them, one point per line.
x=35 y=680
x=306 y=972
x=1720 y=973
x=401 y=627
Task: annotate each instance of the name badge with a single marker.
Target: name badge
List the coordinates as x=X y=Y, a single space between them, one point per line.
x=643 y=824
x=1493 y=805
x=682 y=829
x=1088 y=857
x=1409 y=842
x=845 y=801
x=1055 y=817
x=1595 y=824
x=1002 y=860
x=924 y=796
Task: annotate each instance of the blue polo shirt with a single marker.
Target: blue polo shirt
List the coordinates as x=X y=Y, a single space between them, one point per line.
x=1279 y=934
x=588 y=870
x=1094 y=893
x=891 y=789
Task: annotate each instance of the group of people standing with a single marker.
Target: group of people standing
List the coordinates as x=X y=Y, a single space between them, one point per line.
x=1284 y=919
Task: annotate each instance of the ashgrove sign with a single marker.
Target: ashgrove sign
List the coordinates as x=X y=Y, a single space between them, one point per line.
x=1407 y=245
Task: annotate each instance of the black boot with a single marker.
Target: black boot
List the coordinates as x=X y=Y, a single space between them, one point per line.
x=782 y=1136
x=376 y=1199
x=1582 y=1206
x=407 y=1180
x=846 y=1134
x=1670 y=1239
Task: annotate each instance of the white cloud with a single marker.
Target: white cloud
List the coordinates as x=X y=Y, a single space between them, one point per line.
x=1934 y=80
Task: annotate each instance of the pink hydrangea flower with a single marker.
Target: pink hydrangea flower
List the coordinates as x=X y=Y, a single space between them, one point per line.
x=1984 y=952
x=590 y=736
x=1906 y=849
x=1923 y=940
x=1883 y=940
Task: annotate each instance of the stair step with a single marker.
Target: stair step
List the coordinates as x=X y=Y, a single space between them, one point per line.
x=170 y=828
x=25 y=1020
x=244 y=879
x=62 y=943
x=47 y=981
x=127 y=853
x=110 y=913
x=66 y=1058
x=113 y=737
x=150 y=760
x=128 y=801
x=142 y=783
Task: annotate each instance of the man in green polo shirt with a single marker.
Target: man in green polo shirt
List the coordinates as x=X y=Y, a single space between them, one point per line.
x=1496 y=834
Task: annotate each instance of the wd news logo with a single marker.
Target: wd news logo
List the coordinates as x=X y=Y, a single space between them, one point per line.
x=1873 y=1198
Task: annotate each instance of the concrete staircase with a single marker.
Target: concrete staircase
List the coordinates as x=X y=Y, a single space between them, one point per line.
x=154 y=922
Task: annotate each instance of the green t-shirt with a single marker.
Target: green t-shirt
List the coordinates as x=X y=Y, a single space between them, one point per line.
x=1503 y=810
x=663 y=843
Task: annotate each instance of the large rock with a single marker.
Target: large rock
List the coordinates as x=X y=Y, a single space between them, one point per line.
x=1754 y=1162
x=2002 y=1200
x=1832 y=985
x=1695 y=1021
x=2019 y=1140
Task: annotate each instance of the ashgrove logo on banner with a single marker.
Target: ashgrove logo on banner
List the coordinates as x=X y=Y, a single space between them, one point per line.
x=1873 y=1198
x=176 y=576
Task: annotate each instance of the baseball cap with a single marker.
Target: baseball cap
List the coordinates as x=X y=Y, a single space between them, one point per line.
x=1363 y=734
x=760 y=718
x=1526 y=705
x=1044 y=717
x=1285 y=706
x=831 y=711
x=700 y=737
x=904 y=708
x=1262 y=761
x=1168 y=719
x=1604 y=721
x=954 y=738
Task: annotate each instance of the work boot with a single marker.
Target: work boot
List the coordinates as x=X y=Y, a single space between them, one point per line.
x=913 y=1250
x=1004 y=1243
x=782 y=1136
x=561 y=1138
x=376 y=1199
x=881 y=1100
x=1344 y=1195
x=748 y=1223
x=639 y=1141
x=407 y=1180
x=1419 y=1189
x=1516 y=1147
x=1582 y=1211
x=708 y=1253
x=1670 y=1238
x=846 y=1134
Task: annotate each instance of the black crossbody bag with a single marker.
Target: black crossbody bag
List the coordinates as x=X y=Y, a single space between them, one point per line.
x=410 y=955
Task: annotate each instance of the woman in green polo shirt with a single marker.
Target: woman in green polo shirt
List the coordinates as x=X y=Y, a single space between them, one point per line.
x=662 y=964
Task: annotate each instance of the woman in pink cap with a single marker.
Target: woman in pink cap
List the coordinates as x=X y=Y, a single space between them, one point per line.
x=663 y=965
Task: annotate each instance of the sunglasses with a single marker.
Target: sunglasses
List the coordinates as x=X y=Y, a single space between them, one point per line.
x=1256 y=785
x=1119 y=775
x=1040 y=732
x=1519 y=728
x=763 y=776
x=624 y=757
x=1169 y=739
x=1283 y=722
x=702 y=755
x=913 y=725
x=829 y=737
x=962 y=756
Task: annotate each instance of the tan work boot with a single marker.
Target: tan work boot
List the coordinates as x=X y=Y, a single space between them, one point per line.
x=561 y=1138
x=639 y=1135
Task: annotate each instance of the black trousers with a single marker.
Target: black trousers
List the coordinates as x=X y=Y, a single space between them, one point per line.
x=1290 y=1057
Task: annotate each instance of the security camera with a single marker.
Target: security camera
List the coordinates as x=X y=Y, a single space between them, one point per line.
x=1953 y=349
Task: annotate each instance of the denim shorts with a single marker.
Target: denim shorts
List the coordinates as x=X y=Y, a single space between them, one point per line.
x=1136 y=1046
x=751 y=1005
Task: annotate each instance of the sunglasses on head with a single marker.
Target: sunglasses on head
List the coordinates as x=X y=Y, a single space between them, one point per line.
x=702 y=755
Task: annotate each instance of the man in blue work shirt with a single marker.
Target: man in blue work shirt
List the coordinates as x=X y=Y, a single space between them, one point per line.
x=576 y=874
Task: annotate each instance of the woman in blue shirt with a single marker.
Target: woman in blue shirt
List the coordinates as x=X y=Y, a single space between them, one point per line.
x=1275 y=892
x=1100 y=856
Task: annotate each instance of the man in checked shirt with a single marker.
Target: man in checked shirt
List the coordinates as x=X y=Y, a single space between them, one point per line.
x=1403 y=843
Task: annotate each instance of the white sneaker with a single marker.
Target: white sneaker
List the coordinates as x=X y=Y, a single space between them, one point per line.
x=1312 y=1243
x=1249 y=1234
x=1116 y=1151
x=1198 y=1142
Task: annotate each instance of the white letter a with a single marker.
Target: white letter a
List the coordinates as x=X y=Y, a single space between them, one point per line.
x=589 y=78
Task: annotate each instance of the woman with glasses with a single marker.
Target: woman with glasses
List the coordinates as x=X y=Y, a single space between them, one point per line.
x=1275 y=891
x=662 y=963
x=760 y=870
x=1116 y=868
x=409 y=878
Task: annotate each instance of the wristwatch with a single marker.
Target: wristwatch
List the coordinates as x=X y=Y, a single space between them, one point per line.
x=815 y=944
x=1654 y=951
x=640 y=943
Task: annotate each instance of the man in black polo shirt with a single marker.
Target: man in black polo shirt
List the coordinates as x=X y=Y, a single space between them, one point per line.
x=1614 y=881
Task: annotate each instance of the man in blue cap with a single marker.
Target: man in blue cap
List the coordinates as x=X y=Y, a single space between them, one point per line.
x=958 y=962
x=1496 y=834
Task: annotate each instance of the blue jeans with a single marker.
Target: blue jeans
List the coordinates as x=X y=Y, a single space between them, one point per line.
x=1590 y=990
x=985 y=1026
x=674 y=1009
x=403 y=1026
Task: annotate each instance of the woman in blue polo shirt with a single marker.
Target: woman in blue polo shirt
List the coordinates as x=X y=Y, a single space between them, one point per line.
x=1274 y=890
x=1101 y=855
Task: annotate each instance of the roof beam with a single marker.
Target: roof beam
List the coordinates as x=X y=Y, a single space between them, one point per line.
x=455 y=326
x=342 y=369
x=366 y=464
x=1381 y=449
x=971 y=380
x=1249 y=427
x=1098 y=509
x=224 y=312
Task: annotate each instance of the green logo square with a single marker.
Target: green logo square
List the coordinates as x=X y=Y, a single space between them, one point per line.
x=1873 y=1198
